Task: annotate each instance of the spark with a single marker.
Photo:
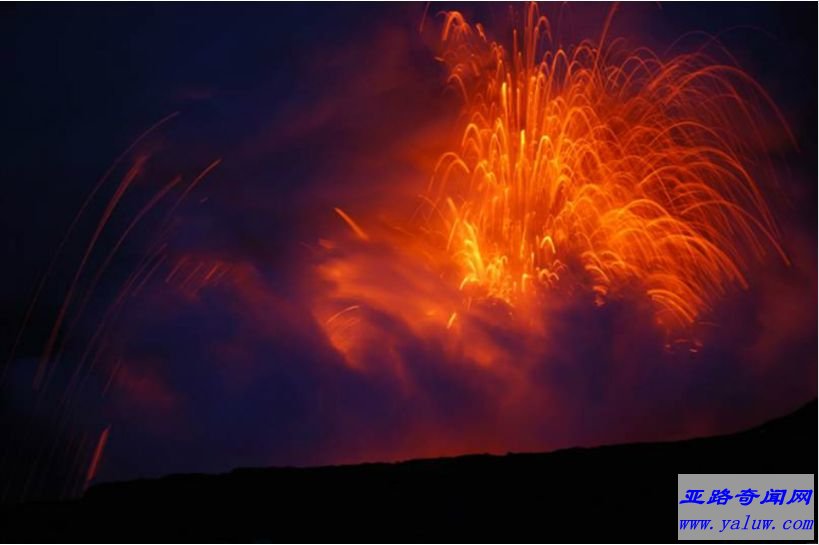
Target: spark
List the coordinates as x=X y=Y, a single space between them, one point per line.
x=95 y=459
x=353 y=225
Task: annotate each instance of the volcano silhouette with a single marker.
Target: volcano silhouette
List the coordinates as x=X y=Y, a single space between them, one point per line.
x=609 y=494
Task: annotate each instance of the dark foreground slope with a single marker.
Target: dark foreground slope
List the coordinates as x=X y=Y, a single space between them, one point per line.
x=616 y=493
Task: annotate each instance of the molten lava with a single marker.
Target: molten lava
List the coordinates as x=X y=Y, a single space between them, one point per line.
x=610 y=165
x=594 y=169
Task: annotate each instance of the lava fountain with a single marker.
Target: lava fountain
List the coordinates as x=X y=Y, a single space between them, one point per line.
x=597 y=167
x=600 y=162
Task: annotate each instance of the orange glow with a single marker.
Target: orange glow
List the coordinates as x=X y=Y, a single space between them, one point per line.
x=595 y=169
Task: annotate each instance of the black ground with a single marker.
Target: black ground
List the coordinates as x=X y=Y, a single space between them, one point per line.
x=623 y=493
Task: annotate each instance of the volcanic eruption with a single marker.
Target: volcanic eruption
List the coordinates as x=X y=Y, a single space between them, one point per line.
x=553 y=268
x=598 y=168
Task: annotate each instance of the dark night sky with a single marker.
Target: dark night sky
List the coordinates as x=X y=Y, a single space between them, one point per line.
x=307 y=104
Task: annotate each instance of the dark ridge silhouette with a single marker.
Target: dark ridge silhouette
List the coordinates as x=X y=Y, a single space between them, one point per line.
x=623 y=493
